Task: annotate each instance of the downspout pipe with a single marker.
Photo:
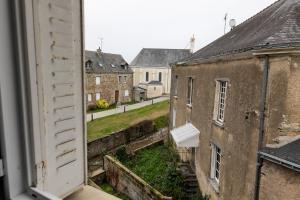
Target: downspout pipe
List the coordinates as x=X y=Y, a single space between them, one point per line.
x=262 y=108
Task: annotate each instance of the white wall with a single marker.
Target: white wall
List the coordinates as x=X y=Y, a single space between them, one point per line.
x=139 y=76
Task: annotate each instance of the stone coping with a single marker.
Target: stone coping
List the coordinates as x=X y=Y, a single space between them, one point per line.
x=138 y=179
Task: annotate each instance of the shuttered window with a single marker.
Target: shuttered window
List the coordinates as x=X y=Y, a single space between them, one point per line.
x=59 y=53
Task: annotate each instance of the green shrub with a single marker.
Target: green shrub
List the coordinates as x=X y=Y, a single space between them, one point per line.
x=161 y=122
x=102 y=104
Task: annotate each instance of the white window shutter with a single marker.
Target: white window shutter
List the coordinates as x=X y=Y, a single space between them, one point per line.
x=216 y=102
x=174 y=118
x=212 y=161
x=59 y=53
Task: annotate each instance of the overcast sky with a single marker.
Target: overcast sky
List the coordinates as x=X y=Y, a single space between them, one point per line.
x=127 y=26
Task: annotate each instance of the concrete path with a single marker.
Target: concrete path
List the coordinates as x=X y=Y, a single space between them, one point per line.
x=124 y=108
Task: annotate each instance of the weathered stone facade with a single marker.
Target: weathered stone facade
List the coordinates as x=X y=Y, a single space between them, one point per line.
x=109 y=85
x=249 y=111
x=279 y=183
x=107 y=77
x=238 y=136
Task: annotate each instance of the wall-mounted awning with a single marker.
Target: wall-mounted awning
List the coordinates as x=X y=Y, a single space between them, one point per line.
x=186 y=135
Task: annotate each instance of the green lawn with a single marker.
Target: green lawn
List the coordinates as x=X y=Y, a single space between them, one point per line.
x=107 y=125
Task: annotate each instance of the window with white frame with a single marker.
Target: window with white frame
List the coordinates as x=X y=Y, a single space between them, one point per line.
x=120 y=79
x=126 y=93
x=98 y=96
x=125 y=79
x=190 y=91
x=220 y=101
x=98 y=80
x=215 y=163
x=89 y=97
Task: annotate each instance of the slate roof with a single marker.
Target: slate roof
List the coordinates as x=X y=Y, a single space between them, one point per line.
x=149 y=57
x=289 y=152
x=276 y=26
x=106 y=63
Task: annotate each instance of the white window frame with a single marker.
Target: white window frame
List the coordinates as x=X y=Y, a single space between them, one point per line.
x=215 y=163
x=120 y=79
x=98 y=96
x=220 y=101
x=126 y=93
x=98 y=80
x=125 y=79
x=190 y=91
x=89 y=97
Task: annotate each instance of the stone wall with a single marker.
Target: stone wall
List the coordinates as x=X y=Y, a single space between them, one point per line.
x=108 y=143
x=278 y=182
x=125 y=181
x=109 y=84
x=237 y=138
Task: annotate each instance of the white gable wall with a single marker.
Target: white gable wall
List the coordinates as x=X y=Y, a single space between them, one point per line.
x=139 y=76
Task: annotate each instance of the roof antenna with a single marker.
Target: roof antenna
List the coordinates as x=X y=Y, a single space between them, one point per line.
x=101 y=43
x=225 y=19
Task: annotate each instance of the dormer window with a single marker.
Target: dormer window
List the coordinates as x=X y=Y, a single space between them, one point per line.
x=88 y=64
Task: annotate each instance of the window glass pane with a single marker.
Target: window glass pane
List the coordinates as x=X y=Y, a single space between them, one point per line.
x=98 y=80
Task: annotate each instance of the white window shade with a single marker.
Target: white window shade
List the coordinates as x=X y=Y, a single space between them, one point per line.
x=186 y=135
x=59 y=53
x=89 y=97
x=98 y=80
x=98 y=96
x=126 y=93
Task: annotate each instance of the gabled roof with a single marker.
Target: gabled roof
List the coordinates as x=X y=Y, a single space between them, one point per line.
x=288 y=154
x=277 y=26
x=149 y=57
x=106 y=63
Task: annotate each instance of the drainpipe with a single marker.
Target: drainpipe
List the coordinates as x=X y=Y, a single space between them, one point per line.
x=262 y=108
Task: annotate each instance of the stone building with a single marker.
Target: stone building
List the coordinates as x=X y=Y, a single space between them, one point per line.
x=108 y=77
x=235 y=108
x=154 y=65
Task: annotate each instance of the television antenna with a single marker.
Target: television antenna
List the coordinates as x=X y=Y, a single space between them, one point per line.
x=225 y=22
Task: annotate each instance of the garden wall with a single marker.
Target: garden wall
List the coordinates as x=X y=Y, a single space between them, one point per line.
x=108 y=143
x=125 y=181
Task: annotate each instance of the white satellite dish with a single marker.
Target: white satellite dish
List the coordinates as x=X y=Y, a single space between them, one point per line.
x=232 y=23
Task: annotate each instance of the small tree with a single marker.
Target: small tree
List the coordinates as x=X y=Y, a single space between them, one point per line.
x=102 y=104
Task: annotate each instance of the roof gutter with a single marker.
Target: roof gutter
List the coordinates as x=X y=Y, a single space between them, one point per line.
x=280 y=161
x=261 y=125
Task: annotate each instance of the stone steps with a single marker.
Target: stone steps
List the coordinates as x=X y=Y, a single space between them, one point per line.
x=191 y=186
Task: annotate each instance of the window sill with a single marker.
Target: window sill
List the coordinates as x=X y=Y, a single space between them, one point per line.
x=215 y=185
x=218 y=124
x=189 y=105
